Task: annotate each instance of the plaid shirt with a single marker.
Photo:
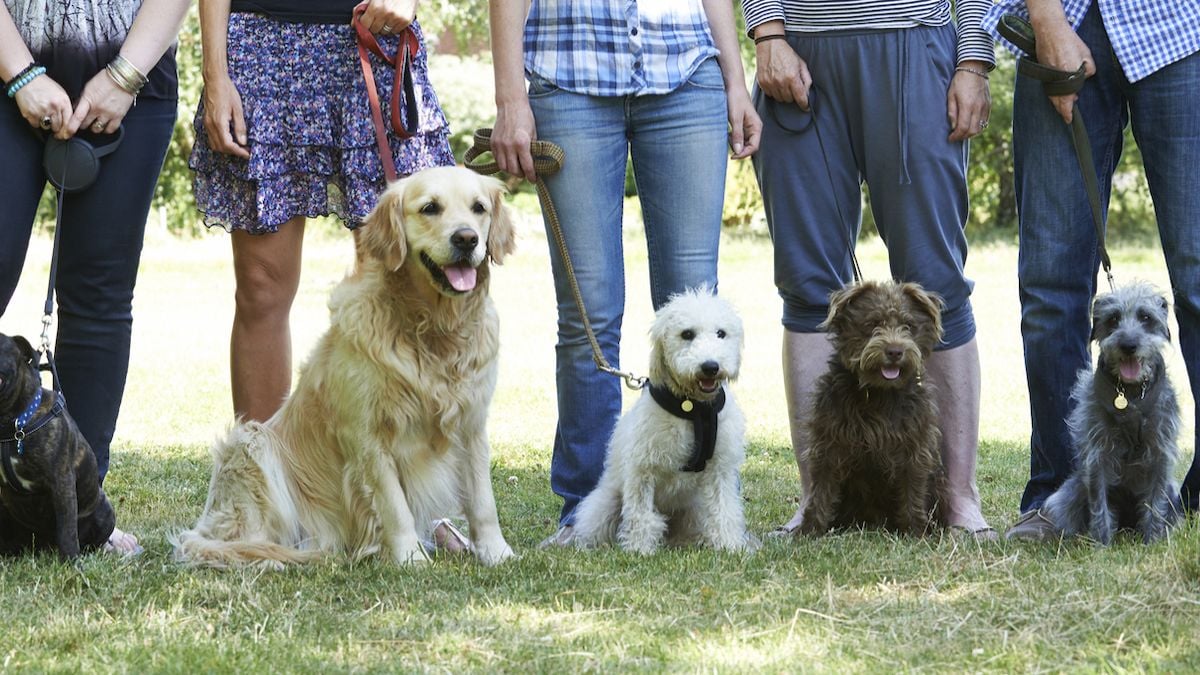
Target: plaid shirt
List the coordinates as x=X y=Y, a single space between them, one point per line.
x=1145 y=34
x=616 y=47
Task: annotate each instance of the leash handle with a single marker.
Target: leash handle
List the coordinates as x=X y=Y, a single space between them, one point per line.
x=404 y=125
x=1056 y=82
x=548 y=159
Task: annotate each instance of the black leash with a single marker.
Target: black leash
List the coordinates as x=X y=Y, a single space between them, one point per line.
x=812 y=117
x=1061 y=83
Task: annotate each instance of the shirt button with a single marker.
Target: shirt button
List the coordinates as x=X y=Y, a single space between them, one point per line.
x=633 y=32
x=637 y=64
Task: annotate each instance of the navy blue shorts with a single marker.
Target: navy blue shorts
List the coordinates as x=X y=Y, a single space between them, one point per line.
x=879 y=117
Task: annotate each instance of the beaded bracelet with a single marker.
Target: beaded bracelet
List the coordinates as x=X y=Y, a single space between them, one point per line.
x=29 y=68
x=764 y=38
x=29 y=76
x=977 y=73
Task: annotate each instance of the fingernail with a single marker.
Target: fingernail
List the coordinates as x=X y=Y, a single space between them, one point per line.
x=737 y=147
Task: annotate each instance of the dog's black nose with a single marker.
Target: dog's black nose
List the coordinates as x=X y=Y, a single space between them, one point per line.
x=1128 y=346
x=464 y=239
x=894 y=352
x=710 y=368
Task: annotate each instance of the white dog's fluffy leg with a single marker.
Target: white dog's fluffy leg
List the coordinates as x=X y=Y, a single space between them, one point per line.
x=642 y=527
x=597 y=516
x=724 y=524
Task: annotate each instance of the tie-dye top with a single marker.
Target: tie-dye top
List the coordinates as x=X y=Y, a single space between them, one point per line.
x=75 y=39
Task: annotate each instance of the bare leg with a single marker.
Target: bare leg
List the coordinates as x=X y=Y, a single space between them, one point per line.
x=805 y=358
x=955 y=374
x=267 y=269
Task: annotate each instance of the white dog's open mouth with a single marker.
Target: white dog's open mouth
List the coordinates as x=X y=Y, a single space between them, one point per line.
x=459 y=277
x=708 y=385
x=1131 y=370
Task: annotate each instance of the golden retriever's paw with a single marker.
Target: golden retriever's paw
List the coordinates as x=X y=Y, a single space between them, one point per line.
x=410 y=553
x=495 y=553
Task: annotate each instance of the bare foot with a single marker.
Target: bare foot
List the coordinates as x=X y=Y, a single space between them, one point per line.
x=448 y=538
x=122 y=543
x=792 y=526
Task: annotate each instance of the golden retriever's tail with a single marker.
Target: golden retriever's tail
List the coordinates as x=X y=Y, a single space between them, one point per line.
x=193 y=548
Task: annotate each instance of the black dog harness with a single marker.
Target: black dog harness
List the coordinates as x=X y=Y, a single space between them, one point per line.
x=23 y=426
x=704 y=422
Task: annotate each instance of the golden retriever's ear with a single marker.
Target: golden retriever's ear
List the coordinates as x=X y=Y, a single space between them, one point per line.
x=383 y=231
x=502 y=239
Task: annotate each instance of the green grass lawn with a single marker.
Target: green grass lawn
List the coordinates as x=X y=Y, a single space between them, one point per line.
x=848 y=602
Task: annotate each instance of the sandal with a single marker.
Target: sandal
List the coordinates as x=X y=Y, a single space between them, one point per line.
x=445 y=537
x=123 y=544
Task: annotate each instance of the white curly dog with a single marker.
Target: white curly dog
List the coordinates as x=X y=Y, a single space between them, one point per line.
x=672 y=469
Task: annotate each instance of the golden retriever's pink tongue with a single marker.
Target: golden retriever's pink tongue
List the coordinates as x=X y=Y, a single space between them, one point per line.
x=461 y=277
x=891 y=372
x=1131 y=370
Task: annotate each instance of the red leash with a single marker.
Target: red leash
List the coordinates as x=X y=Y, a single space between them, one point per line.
x=403 y=125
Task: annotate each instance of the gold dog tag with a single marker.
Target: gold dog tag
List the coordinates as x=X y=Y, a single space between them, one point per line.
x=1120 y=402
x=686 y=406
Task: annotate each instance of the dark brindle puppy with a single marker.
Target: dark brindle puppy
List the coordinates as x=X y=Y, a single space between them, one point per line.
x=50 y=495
x=873 y=438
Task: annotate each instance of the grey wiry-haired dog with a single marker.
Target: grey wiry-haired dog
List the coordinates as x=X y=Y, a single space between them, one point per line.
x=1124 y=425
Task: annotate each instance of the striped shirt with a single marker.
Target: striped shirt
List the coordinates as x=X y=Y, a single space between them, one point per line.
x=807 y=16
x=1145 y=34
x=616 y=47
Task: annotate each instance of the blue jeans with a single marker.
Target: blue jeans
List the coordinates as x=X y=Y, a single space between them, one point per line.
x=101 y=243
x=678 y=142
x=1059 y=262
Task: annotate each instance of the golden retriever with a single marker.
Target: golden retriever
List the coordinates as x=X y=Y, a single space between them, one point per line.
x=386 y=429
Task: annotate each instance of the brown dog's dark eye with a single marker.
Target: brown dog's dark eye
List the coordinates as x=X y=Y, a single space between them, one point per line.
x=431 y=209
x=478 y=208
x=688 y=335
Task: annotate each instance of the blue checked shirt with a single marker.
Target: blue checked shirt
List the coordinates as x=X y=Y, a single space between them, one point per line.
x=1145 y=34
x=616 y=47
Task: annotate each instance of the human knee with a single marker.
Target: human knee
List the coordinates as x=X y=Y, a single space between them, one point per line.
x=264 y=290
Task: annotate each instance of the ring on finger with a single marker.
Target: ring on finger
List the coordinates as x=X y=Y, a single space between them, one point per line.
x=99 y=125
x=46 y=123
x=387 y=28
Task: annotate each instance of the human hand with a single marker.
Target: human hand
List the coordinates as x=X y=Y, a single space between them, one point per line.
x=781 y=73
x=515 y=130
x=385 y=17
x=101 y=107
x=1059 y=47
x=969 y=101
x=44 y=98
x=224 y=121
x=745 y=127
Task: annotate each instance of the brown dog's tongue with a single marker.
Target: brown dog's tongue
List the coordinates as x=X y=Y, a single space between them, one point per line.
x=891 y=372
x=461 y=277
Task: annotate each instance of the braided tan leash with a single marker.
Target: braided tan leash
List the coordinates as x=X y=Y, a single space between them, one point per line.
x=547 y=160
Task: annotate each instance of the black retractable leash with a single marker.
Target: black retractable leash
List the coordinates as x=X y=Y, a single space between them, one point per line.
x=1062 y=83
x=71 y=166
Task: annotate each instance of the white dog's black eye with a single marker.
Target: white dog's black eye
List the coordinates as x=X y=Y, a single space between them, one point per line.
x=431 y=209
x=1113 y=321
x=721 y=333
x=688 y=335
x=478 y=208
x=1144 y=317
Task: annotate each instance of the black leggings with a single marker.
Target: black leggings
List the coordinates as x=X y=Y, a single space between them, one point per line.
x=102 y=229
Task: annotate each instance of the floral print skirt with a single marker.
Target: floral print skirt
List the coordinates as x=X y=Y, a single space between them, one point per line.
x=311 y=140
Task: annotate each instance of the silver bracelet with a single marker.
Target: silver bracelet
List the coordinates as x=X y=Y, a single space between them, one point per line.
x=977 y=73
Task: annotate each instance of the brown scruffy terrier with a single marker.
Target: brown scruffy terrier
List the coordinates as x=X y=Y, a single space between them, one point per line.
x=873 y=447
